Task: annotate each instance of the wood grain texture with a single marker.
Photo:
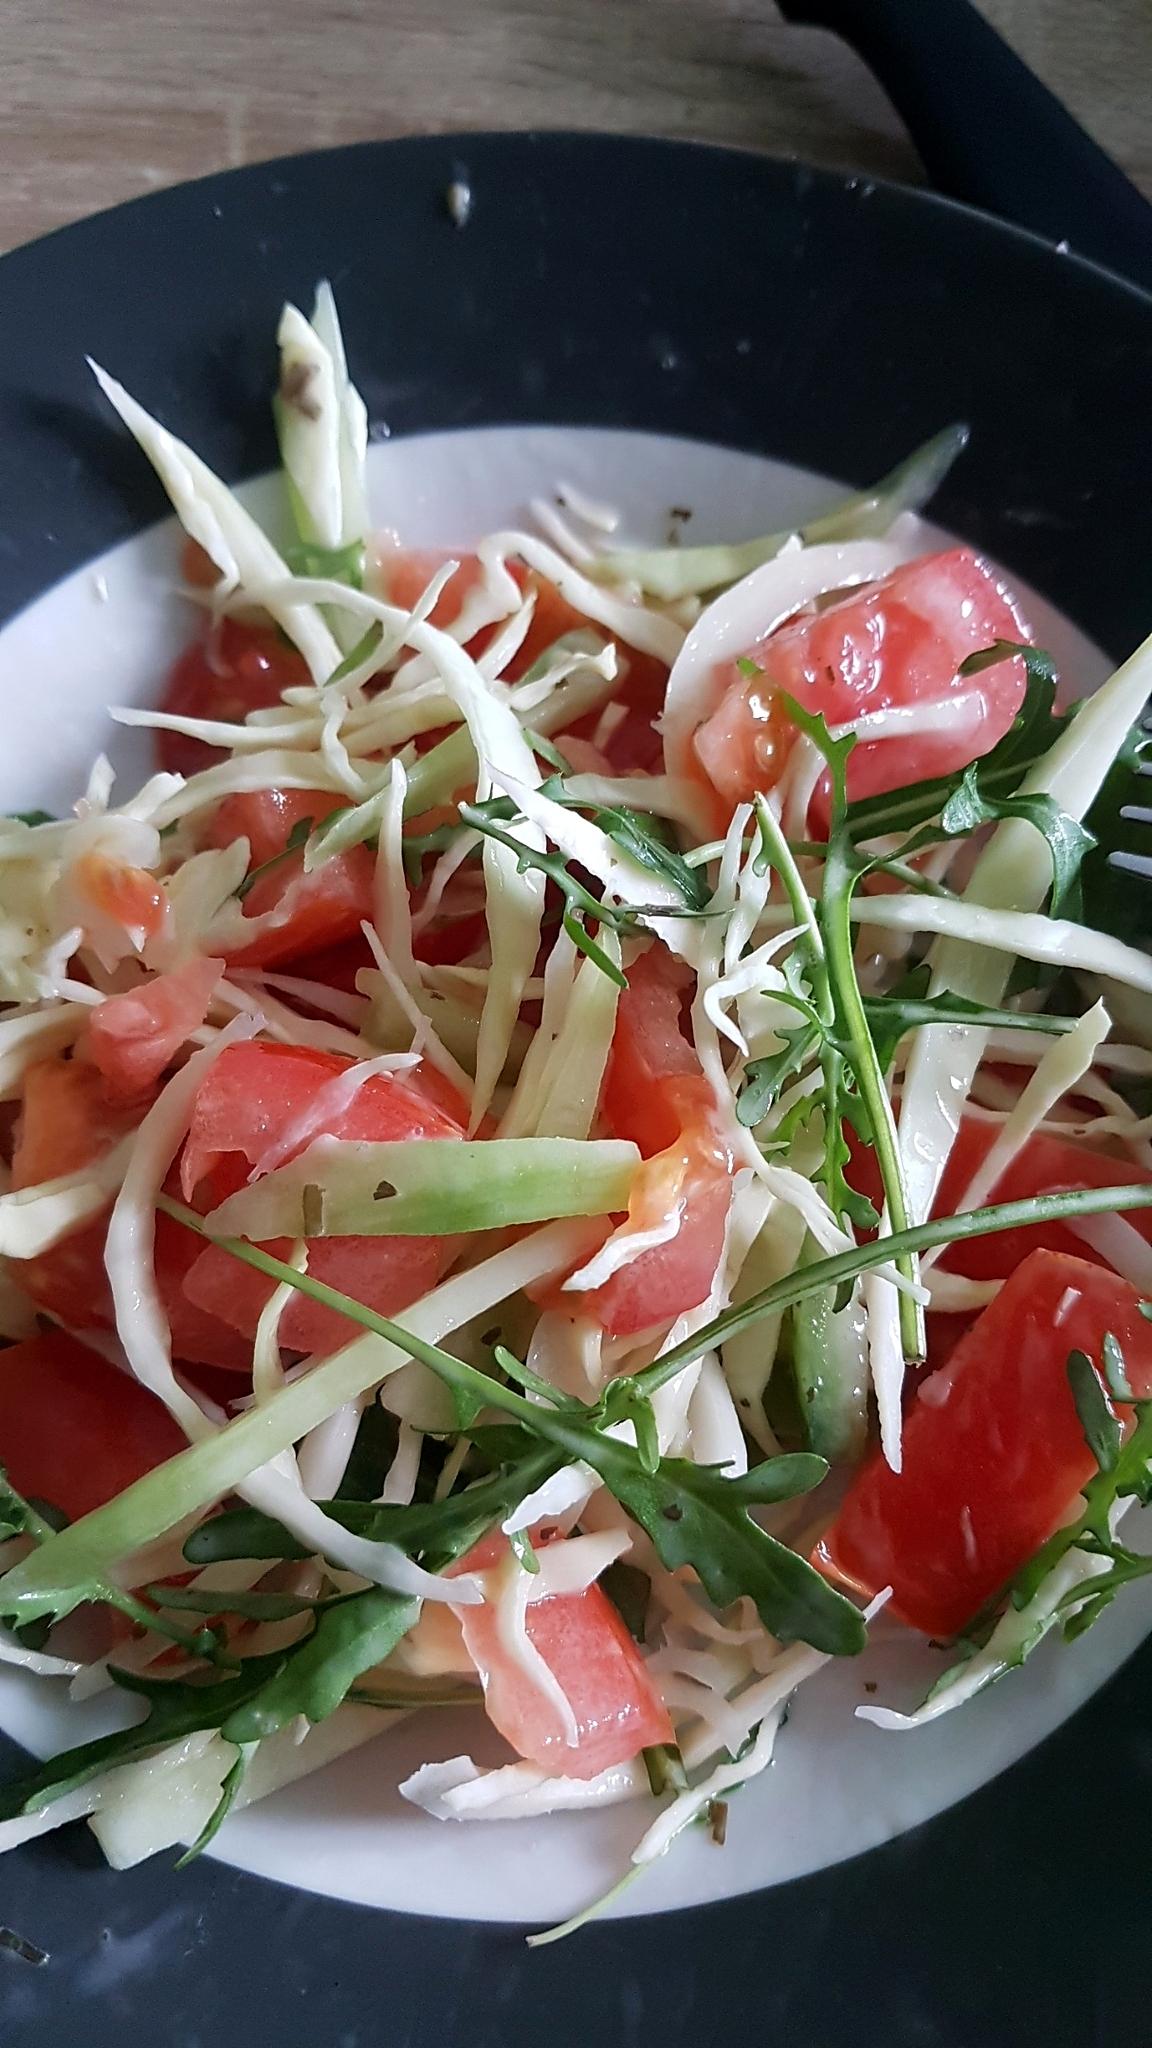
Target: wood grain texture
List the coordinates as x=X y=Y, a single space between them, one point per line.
x=101 y=102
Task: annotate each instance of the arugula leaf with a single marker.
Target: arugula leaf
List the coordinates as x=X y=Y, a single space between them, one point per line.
x=1125 y=1473
x=579 y=901
x=350 y=1637
x=18 y=1517
x=890 y=1017
x=1040 y=666
x=1109 y=905
x=866 y=1102
x=250 y=1606
x=367 y=644
x=696 y=1516
x=176 y=1708
x=630 y=1591
x=416 y=846
x=431 y=1531
x=647 y=840
x=765 y=1078
x=523 y=1551
x=1068 y=840
x=1098 y=1418
x=1115 y=1371
x=29 y=818
x=1036 y=725
x=41 y=1521
x=373 y=1450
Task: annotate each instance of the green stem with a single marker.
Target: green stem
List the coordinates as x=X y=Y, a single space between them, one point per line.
x=839 y=882
x=779 y=854
x=863 y=1258
x=465 y=1378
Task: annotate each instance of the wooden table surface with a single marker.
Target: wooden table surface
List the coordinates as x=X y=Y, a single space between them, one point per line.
x=103 y=99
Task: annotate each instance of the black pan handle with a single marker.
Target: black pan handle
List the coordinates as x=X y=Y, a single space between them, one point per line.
x=988 y=131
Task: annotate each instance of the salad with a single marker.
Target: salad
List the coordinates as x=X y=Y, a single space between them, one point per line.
x=584 y=1134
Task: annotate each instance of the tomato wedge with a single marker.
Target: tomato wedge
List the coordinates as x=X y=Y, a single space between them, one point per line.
x=1046 y=1165
x=655 y=1094
x=993 y=1454
x=232 y=670
x=74 y=1431
x=67 y=1119
x=297 y=913
x=632 y=742
x=895 y=646
x=253 y=1110
x=132 y=1037
x=589 y=1652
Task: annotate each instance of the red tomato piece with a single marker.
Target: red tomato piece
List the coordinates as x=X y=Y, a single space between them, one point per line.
x=403 y=575
x=74 y=1430
x=1047 y=1165
x=993 y=1453
x=897 y=644
x=302 y=912
x=233 y=670
x=255 y=1092
x=633 y=742
x=254 y=1106
x=589 y=1652
x=692 y=1180
x=655 y=1094
x=66 y=1120
x=131 y=1038
x=650 y=1054
x=335 y=966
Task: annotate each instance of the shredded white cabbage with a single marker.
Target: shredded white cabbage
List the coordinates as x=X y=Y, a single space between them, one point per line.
x=215 y=518
x=459 y=1789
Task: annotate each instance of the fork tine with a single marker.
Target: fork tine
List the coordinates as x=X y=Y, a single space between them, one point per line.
x=1133 y=864
x=1137 y=814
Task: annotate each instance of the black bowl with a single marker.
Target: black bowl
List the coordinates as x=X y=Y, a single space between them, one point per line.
x=831 y=323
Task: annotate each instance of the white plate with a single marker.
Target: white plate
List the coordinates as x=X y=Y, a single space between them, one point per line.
x=838 y=1786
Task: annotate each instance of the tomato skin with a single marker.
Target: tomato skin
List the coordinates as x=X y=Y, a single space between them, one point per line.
x=899 y=642
x=335 y=966
x=232 y=670
x=131 y=1038
x=74 y=1430
x=993 y=1450
x=586 y=1646
x=250 y=1098
x=321 y=909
